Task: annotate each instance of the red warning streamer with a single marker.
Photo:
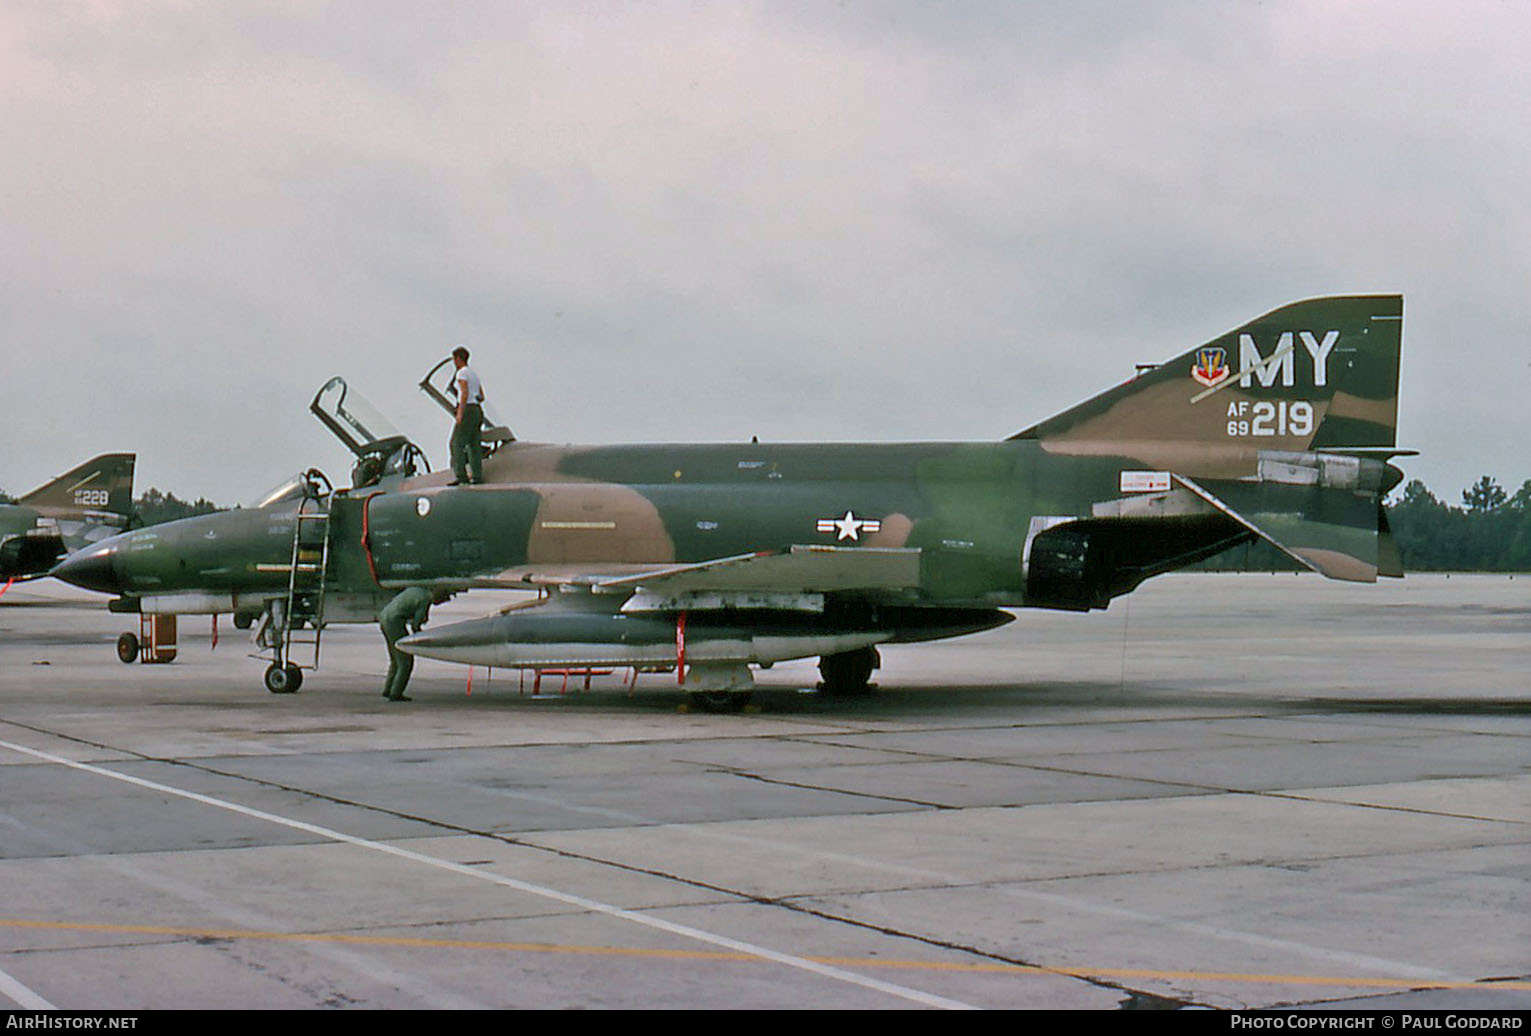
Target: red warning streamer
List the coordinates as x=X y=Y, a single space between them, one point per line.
x=680 y=649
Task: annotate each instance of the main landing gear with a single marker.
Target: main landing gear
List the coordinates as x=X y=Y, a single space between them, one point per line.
x=849 y=673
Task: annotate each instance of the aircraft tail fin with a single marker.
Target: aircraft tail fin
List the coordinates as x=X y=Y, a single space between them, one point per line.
x=102 y=485
x=1321 y=374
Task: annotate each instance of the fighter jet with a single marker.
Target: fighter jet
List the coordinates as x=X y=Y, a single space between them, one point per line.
x=78 y=508
x=710 y=559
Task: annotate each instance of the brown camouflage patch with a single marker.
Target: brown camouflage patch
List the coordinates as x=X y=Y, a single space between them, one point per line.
x=894 y=532
x=597 y=522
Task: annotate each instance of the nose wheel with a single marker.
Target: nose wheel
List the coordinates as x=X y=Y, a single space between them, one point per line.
x=283 y=679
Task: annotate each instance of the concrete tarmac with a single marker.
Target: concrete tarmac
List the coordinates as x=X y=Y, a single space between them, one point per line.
x=1226 y=791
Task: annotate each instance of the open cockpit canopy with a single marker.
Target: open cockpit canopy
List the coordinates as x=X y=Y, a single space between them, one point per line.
x=438 y=384
x=381 y=449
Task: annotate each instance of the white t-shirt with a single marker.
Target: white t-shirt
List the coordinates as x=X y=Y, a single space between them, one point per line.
x=468 y=388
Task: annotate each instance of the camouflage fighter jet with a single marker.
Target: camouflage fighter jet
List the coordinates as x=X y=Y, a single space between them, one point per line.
x=78 y=508
x=709 y=559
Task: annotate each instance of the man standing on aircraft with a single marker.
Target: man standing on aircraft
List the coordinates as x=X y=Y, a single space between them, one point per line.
x=406 y=613
x=467 y=434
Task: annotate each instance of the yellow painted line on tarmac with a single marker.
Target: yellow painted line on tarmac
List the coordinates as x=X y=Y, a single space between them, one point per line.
x=594 y=906
x=851 y=962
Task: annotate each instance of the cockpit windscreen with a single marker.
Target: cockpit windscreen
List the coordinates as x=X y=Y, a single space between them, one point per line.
x=297 y=487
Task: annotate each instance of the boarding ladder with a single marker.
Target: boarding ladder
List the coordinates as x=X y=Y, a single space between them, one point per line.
x=307 y=574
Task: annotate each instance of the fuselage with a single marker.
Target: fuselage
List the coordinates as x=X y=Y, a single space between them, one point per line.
x=973 y=510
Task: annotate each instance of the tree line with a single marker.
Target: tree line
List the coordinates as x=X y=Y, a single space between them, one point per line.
x=155 y=507
x=1490 y=532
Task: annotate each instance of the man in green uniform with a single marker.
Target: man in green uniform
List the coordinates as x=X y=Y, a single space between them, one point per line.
x=406 y=613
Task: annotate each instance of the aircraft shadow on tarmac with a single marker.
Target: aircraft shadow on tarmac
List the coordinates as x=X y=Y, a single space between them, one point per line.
x=950 y=703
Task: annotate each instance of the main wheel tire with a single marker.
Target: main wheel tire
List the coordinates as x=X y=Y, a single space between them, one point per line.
x=281 y=680
x=719 y=701
x=296 y=676
x=127 y=647
x=849 y=672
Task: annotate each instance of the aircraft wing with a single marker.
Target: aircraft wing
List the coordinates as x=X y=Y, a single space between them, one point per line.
x=547 y=576
x=763 y=579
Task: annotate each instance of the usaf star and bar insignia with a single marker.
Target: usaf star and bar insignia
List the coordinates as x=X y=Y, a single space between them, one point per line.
x=848 y=526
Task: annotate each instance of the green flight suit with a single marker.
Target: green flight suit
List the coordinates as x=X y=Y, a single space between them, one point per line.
x=404 y=614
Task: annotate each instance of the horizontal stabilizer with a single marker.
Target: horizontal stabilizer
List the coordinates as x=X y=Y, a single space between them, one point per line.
x=1336 y=533
x=1389 y=560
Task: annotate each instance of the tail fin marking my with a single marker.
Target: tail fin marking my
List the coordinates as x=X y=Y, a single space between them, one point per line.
x=1317 y=374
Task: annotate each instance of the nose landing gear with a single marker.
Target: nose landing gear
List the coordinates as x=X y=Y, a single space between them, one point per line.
x=282 y=679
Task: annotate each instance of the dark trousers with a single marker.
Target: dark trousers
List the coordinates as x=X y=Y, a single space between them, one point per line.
x=400 y=664
x=467 y=444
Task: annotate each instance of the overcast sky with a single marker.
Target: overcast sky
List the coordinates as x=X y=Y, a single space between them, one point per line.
x=705 y=221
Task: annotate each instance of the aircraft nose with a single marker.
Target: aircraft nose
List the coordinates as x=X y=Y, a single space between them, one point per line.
x=93 y=568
